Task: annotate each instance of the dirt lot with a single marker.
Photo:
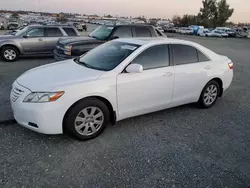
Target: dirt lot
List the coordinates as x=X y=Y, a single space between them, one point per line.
x=179 y=147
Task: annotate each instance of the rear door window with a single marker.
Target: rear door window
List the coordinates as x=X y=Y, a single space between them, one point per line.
x=184 y=54
x=142 y=32
x=123 y=32
x=70 y=31
x=53 y=32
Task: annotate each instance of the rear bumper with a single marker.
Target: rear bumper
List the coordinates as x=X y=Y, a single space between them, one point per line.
x=61 y=57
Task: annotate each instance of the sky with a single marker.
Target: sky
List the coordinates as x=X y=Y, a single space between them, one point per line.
x=148 y=8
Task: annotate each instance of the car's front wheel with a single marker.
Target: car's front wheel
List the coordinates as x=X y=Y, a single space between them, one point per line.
x=87 y=119
x=9 y=53
x=209 y=94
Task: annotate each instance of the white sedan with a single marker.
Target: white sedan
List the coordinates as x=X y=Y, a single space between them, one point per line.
x=117 y=80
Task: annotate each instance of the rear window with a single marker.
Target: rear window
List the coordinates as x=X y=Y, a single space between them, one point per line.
x=142 y=32
x=70 y=31
x=53 y=32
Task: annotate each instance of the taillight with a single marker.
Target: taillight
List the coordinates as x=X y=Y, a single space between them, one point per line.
x=231 y=65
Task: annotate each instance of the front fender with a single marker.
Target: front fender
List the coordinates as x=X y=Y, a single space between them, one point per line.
x=12 y=43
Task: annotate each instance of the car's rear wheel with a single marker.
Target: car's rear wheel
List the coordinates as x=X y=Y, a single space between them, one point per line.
x=209 y=94
x=87 y=119
x=9 y=53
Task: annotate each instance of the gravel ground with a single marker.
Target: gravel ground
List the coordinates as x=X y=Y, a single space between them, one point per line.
x=178 y=147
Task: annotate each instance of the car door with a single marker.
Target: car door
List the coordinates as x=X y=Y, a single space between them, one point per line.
x=52 y=36
x=150 y=90
x=191 y=69
x=33 y=41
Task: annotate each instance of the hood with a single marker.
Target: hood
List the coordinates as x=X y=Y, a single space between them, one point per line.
x=54 y=75
x=76 y=40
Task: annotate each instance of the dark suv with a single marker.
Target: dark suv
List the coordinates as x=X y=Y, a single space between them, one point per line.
x=34 y=40
x=70 y=48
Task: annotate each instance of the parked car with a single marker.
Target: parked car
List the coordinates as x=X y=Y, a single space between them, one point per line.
x=216 y=33
x=81 y=27
x=186 y=30
x=160 y=29
x=229 y=31
x=204 y=32
x=70 y=48
x=13 y=25
x=34 y=40
x=117 y=80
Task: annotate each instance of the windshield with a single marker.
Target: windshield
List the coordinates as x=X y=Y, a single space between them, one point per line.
x=102 y=32
x=22 y=31
x=107 y=56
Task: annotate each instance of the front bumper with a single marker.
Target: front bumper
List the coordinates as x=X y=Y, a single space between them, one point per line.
x=46 y=118
x=61 y=57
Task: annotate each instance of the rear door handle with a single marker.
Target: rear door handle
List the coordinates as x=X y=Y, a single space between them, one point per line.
x=40 y=39
x=167 y=74
x=208 y=67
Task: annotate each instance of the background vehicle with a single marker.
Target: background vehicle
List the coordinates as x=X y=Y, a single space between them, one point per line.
x=185 y=30
x=13 y=25
x=204 y=32
x=217 y=33
x=70 y=48
x=34 y=40
x=96 y=92
x=160 y=29
x=229 y=31
x=81 y=27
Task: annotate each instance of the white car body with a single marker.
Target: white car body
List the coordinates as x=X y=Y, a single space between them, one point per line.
x=204 y=32
x=186 y=31
x=130 y=94
x=216 y=33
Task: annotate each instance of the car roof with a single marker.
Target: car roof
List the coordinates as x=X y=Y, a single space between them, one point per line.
x=153 y=40
x=163 y=40
x=132 y=25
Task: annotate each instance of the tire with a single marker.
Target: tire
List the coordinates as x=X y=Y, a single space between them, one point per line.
x=9 y=53
x=80 y=117
x=207 y=97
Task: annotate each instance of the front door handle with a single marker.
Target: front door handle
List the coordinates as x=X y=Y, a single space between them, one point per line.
x=208 y=67
x=167 y=74
x=40 y=39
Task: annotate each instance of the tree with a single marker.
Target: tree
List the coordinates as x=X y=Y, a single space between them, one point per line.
x=224 y=12
x=214 y=14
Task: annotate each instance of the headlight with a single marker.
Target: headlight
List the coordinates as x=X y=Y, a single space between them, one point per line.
x=67 y=50
x=40 y=97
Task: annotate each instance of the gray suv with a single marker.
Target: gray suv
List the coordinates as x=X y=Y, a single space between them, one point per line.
x=34 y=40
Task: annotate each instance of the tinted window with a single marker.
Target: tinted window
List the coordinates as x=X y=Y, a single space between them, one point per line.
x=142 y=32
x=153 y=57
x=107 y=56
x=35 y=32
x=54 y=32
x=202 y=57
x=123 y=32
x=70 y=31
x=102 y=32
x=183 y=54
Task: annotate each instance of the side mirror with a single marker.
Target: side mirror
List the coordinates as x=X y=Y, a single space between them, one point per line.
x=114 y=37
x=134 y=68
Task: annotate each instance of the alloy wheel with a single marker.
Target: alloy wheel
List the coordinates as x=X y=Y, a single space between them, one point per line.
x=210 y=94
x=10 y=54
x=89 y=121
